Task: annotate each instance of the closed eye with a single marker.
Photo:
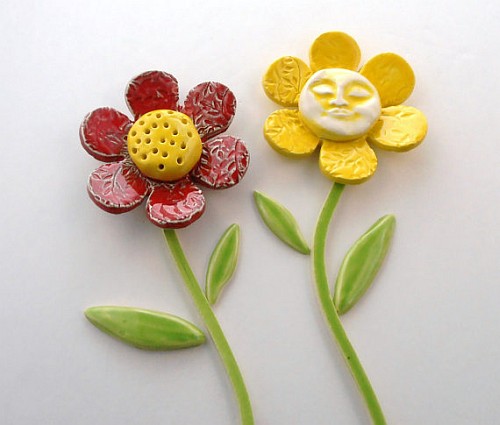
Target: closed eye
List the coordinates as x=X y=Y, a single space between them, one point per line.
x=360 y=93
x=323 y=89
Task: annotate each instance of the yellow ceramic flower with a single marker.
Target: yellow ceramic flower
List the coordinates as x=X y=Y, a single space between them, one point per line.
x=342 y=109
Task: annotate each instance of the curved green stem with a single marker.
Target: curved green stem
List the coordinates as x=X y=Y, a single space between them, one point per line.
x=213 y=327
x=330 y=312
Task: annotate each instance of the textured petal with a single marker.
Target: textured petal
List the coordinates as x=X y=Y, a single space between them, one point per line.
x=334 y=50
x=150 y=91
x=224 y=162
x=347 y=162
x=211 y=106
x=103 y=134
x=400 y=128
x=284 y=80
x=392 y=76
x=117 y=187
x=175 y=205
x=286 y=133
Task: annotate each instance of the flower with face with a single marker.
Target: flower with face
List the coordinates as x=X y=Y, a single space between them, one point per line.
x=168 y=148
x=342 y=109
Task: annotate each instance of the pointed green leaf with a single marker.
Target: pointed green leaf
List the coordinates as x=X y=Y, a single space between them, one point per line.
x=146 y=329
x=362 y=263
x=222 y=263
x=281 y=222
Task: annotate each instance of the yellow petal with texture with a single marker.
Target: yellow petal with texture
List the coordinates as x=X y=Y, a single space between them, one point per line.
x=392 y=76
x=400 y=128
x=286 y=133
x=334 y=50
x=347 y=162
x=284 y=80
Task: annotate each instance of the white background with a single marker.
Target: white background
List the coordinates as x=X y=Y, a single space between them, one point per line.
x=427 y=333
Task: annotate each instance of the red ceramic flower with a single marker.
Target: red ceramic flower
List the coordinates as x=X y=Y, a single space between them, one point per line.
x=168 y=148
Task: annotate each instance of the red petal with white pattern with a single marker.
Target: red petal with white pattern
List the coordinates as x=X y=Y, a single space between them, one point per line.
x=150 y=91
x=175 y=205
x=117 y=187
x=211 y=106
x=103 y=134
x=223 y=163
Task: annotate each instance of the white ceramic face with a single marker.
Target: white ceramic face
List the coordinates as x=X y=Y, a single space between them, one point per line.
x=338 y=104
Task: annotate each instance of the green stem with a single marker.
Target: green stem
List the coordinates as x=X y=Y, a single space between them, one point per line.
x=213 y=327
x=330 y=312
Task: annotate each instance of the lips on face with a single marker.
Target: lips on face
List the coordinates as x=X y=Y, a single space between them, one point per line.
x=338 y=104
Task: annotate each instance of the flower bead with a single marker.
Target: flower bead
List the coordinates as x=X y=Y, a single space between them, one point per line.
x=165 y=151
x=342 y=109
x=164 y=145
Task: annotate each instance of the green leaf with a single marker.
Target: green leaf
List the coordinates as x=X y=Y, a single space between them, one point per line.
x=146 y=329
x=281 y=222
x=362 y=263
x=222 y=263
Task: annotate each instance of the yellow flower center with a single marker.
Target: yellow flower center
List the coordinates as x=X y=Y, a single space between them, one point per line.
x=164 y=145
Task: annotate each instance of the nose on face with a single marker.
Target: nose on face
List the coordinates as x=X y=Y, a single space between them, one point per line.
x=338 y=101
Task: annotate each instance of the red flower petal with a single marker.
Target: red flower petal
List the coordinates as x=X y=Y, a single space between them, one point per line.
x=117 y=187
x=224 y=162
x=175 y=205
x=103 y=134
x=150 y=91
x=211 y=107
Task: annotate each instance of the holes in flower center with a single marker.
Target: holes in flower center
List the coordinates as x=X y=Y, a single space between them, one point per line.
x=164 y=145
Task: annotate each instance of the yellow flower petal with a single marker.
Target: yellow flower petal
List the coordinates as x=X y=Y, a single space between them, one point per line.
x=347 y=162
x=392 y=76
x=286 y=133
x=334 y=50
x=284 y=80
x=400 y=128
